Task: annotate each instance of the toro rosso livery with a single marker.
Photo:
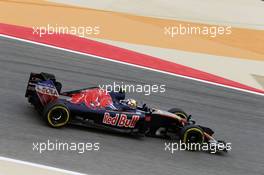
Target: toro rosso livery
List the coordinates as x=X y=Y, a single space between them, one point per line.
x=97 y=107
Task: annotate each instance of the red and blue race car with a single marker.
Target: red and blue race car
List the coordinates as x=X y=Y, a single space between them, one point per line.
x=111 y=110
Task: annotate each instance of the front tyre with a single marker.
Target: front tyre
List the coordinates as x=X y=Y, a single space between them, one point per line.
x=192 y=136
x=56 y=115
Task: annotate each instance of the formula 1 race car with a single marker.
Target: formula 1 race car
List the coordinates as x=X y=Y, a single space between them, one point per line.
x=100 y=108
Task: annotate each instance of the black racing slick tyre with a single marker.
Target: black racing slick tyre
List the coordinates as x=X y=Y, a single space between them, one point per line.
x=56 y=115
x=192 y=135
x=179 y=112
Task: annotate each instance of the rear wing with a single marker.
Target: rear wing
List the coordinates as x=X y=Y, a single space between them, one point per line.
x=46 y=92
x=35 y=78
x=42 y=87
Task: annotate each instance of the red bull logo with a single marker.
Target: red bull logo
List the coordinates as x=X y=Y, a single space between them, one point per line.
x=120 y=120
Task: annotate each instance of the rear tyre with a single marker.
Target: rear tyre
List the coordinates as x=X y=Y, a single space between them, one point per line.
x=179 y=112
x=56 y=115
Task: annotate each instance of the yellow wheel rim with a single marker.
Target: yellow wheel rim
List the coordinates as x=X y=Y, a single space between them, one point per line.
x=189 y=130
x=58 y=124
x=181 y=114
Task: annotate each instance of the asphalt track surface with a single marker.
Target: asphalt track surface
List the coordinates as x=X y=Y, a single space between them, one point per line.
x=236 y=117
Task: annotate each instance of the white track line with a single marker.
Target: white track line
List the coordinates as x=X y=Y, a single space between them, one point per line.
x=39 y=166
x=134 y=65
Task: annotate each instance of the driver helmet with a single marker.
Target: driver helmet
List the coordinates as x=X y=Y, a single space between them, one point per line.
x=131 y=103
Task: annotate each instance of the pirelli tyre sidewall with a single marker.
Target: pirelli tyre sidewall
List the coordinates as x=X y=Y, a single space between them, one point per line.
x=192 y=134
x=179 y=112
x=56 y=115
